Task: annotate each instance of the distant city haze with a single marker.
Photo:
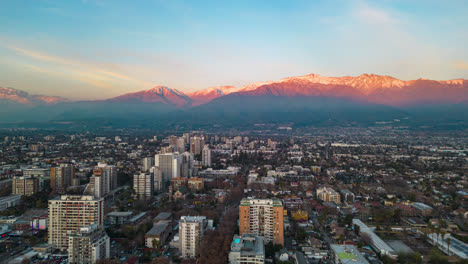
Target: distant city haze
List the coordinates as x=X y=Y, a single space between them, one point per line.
x=100 y=49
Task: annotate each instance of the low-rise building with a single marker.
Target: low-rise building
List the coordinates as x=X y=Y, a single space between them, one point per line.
x=158 y=234
x=328 y=195
x=347 y=254
x=374 y=240
x=9 y=201
x=247 y=249
x=423 y=209
x=163 y=216
x=119 y=218
x=25 y=185
x=195 y=184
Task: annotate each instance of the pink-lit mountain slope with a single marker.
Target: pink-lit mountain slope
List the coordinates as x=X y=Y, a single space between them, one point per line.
x=16 y=96
x=160 y=94
x=365 y=88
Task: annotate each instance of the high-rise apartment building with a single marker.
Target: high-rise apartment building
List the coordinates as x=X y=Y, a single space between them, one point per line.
x=187 y=169
x=61 y=177
x=143 y=185
x=41 y=174
x=172 y=140
x=169 y=164
x=180 y=145
x=191 y=229
x=158 y=182
x=328 y=195
x=88 y=245
x=25 y=185
x=263 y=217
x=103 y=181
x=247 y=249
x=196 y=145
x=206 y=156
x=109 y=173
x=68 y=213
x=148 y=163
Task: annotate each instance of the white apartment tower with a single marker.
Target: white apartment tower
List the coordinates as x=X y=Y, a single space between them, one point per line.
x=90 y=244
x=191 y=229
x=143 y=185
x=68 y=213
x=148 y=163
x=206 y=156
x=103 y=181
x=169 y=164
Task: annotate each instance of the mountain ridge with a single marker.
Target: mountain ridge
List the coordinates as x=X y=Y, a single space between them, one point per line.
x=22 y=97
x=371 y=88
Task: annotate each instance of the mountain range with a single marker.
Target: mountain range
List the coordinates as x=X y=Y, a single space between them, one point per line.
x=367 y=97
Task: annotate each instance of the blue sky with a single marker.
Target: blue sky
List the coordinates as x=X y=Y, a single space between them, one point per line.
x=94 y=49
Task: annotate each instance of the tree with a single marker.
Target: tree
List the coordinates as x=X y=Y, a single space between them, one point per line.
x=357 y=229
x=271 y=249
x=156 y=243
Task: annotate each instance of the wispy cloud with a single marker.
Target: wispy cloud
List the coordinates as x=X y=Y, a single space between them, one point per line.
x=373 y=15
x=78 y=70
x=461 y=65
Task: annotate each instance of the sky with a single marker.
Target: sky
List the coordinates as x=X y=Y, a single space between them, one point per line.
x=96 y=49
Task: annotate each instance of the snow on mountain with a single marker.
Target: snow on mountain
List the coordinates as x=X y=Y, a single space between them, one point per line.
x=22 y=97
x=160 y=94
x=206 y=95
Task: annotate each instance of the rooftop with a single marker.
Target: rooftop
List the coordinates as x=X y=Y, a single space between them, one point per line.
x=348 y=254
x=163 y=216
x=248 y=244
x=273 y=202
x=157 y=229
x=120 y=214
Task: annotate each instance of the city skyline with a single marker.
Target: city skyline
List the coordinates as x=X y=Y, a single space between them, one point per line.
x=100 y=49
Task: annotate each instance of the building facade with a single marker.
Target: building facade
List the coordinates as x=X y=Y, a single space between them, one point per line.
x=147 y=164
x=328 y=195
x=90 y=244
x=206 y=156
x=68 y=213
x=169 y=164
x=263 y=217
x=143 y=185
x=61 y=177
x=191 y=229
x=25 y=185
x=9 y=201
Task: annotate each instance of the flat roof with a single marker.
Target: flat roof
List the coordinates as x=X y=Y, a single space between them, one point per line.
x=138 y=216
x=248 y=244
x=120 y=214
x=457 y=247
x=376 y=240
x=157 y=229
x=348 y=254
x=163 y=216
